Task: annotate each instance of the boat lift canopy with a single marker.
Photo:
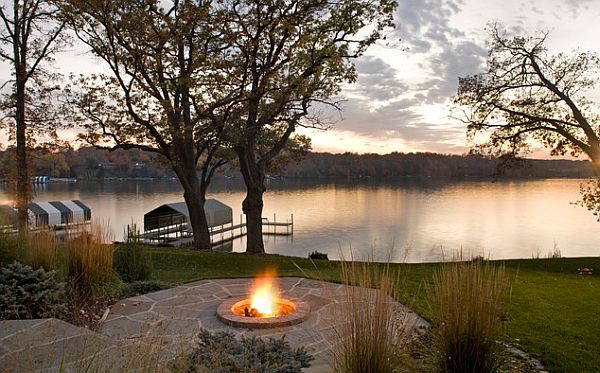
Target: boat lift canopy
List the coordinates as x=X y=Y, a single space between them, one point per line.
x=171 y=214
x=51 y=213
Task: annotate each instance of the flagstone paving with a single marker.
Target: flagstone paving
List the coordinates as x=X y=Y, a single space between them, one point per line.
x=150 y=330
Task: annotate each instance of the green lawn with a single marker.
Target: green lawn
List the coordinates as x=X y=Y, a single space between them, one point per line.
x=554 y=312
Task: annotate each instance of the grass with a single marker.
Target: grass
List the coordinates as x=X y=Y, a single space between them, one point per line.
x=554 y=312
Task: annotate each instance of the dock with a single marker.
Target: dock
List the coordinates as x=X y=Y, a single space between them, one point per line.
x=180 y=233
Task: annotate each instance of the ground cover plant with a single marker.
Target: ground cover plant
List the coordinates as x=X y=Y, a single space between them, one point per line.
x=222 y=352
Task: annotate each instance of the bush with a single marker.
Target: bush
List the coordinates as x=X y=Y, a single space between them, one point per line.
x=467 y=301
x=89 y=259
x=131 y=262
x=315 y=255
x=11 y=247
x=26 y=293
x=223 y=353
x=143 y=287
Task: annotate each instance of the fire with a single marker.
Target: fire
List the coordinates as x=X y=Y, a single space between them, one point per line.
x=264 y=295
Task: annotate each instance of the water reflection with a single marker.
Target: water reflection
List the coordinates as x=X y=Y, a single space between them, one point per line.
x=408 y=220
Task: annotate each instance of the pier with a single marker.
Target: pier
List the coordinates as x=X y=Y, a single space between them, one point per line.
x=181 y=233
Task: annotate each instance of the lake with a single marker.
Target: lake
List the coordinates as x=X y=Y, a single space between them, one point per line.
x=405 y=221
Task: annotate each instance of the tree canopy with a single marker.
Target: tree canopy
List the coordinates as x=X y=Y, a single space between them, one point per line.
x=31 y=31
x=285 y=59
x=529 y=96
x=164 y=61
x=191 y=79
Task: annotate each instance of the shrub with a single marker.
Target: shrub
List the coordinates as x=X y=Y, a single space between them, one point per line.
x=467 y=301
x=131 y=262
x=223 y=353
x=143 y=287
x=28 y=293
x=369 y=339
x=315 y=255
x=11 y=247
x=89 y=259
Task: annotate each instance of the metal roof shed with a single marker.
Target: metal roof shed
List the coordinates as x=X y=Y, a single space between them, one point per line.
x=58 y=213
x=172 y=214
x=53 y=213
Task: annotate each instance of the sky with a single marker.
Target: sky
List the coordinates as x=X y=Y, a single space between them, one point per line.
x=401 y=99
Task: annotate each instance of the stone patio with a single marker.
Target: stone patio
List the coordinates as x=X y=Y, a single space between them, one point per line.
x=151 y=329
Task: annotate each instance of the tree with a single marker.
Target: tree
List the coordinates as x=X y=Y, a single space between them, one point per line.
x=31 y=33
x=163 y=56
x=286 y=57
x=528 y=96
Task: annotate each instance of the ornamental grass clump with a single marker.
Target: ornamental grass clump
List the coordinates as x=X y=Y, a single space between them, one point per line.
x=89 y=258
x=130 y=260
x=40 y=249
x=369 y=338
x=468 y=304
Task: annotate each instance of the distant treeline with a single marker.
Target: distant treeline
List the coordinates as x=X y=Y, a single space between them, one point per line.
x=420 y=165
x=91 y=163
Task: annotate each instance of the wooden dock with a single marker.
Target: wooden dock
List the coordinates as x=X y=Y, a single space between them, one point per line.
x=180 y=234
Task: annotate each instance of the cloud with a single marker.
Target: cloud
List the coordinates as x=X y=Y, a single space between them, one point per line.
x=464 y=58
x=382 y=104
x=399 y=122
x=424 y=24
x=377 y=80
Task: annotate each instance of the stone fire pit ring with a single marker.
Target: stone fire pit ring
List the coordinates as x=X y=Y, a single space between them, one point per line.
x=225 y=314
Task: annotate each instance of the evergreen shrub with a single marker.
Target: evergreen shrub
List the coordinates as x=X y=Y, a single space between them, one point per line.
x=26 y=293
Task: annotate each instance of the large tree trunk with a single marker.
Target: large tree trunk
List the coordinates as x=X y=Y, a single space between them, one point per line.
x=23 y=183
x=195 y=204
x=194 y=199
x=252 y=206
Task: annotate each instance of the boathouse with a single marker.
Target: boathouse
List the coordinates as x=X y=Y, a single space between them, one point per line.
x=172 y=220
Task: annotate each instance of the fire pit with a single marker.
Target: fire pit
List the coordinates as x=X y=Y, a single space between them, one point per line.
x=264 y=308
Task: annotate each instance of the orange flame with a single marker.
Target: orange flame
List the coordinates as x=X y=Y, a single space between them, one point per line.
x=264 y=294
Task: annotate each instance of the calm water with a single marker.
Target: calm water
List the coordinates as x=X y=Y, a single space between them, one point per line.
x=407 y=221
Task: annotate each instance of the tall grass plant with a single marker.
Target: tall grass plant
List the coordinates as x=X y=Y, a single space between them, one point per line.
x=40 y=249
x=369 y=338
x=468 y=301
x=131 y=262
x=89 y=258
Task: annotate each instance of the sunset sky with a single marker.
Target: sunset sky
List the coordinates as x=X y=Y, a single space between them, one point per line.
x=400 y=102
x=401 y=99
